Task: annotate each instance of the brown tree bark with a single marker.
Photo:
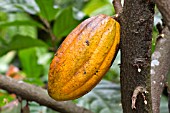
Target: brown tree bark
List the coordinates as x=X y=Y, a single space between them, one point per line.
x=136 y=36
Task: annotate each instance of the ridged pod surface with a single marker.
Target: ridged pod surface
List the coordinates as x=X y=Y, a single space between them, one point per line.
x=83 y=58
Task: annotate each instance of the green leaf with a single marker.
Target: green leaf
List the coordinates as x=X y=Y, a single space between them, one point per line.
x=3 y=16
x=104 y=98
x=47 y=9
x=36 y=108
x=4 y=95
x=107 y=9
x=29 y=62
x=44 y=58
x=64 y=23
x=95 y=7
x=5 y=61
x=21 y=23
x=34 y=79
x=154 y=37
x=27 y=7
x=20 y=42
x=18 y=23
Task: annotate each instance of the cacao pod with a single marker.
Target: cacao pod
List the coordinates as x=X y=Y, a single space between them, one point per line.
x=83 y=58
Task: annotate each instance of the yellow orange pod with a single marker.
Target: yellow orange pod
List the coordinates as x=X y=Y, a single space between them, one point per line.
x=83 y=58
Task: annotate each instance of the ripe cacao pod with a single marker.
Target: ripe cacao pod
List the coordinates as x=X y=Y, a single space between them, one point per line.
x=83 y=58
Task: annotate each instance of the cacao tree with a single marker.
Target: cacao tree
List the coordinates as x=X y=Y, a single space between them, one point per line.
x=31 y=31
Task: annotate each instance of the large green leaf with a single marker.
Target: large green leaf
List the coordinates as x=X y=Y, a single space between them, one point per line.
x=3 y=16
x=29 y=63
x=18 y=23
x=104 y=98
x=20 y=42
x=47 y=9
x=64 y=23
x=21 y=23
x=44 y=58
x=95 y=7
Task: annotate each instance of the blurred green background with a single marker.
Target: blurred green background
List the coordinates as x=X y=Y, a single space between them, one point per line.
x=30 y=33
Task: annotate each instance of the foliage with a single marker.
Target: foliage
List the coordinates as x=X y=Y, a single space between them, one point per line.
x=26 y=42
x=98 y=102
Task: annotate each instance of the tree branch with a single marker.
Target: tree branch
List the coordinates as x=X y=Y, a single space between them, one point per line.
x=164 y=8
x=39 y=95
x=118 y=6
x=48 y=29
x=160 y=66
x=160 y=58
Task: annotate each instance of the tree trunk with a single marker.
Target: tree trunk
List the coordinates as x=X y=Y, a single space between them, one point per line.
x=136 y=38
